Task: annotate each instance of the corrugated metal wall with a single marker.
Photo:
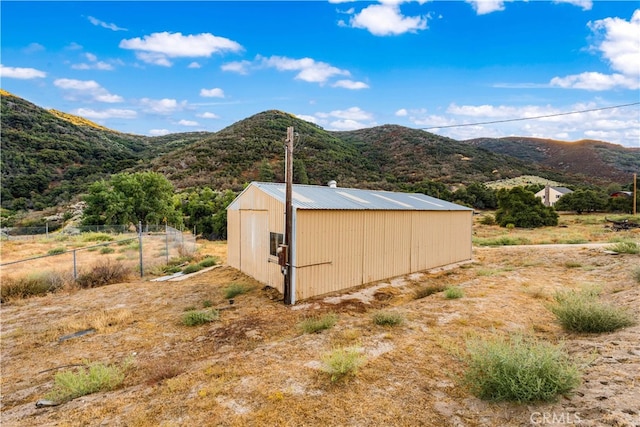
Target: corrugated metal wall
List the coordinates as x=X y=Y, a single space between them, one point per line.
x=250 y=219
x=337 y=250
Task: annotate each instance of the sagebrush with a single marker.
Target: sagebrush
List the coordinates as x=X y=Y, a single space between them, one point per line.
x=518 y=368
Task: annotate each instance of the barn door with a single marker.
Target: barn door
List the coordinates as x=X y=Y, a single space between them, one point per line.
x=254 y=244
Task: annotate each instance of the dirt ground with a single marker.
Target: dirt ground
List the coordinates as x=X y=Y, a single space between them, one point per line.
x=254 y=367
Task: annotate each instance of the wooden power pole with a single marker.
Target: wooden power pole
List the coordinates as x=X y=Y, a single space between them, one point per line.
x=288 y=226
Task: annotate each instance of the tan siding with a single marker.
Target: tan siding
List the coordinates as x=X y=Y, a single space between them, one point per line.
x=233 y=238
x=440 y=238
x=329 y=251
x=254 y=244
x=387 y=245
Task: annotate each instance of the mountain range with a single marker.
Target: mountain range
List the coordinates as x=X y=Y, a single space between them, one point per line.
x=49 y=157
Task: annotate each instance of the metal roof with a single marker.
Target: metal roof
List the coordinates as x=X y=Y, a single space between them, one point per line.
x=320 y=197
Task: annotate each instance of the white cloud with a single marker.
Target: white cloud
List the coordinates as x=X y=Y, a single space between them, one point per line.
x=349 y=119
x=584 y=4
x=194 y=65
x=617 y=125
x=386 y=19
x=212 y=93
x=188 y=123
x=93 y=64
x=483 y=7
x=33 y=48
x=350 y=84
x=619 y=45
x=21 y=73
x=73 y=46
x=240 y=67
x=402 y=112
x=307 y=118
x=103 y=24
x=111 y=113
x=87 y=88
x=159 y=132
x=308 y=69
x=595 y=81
x=208 y=115
x=156 y=48
x=162 y=106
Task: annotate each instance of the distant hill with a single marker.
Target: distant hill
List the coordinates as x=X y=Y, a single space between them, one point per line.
x=384 y=157
x=48 y=157
x=593 y=160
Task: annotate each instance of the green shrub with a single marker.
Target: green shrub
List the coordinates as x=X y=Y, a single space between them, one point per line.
x=572 y=264
x=235 y=289
x=387 y=318
x=103 y=273
x=428 y=290
x=207 y=262
x=96 y=237
x=625 y=247
x=56 y=251
x=31 y=285
x=195 y=317
x=582 y=312
x=488 y=220
x=314 y=324
x=501 y=241
x=342 y=362
x=636 y=274
x=107 y=250
x=192 y=268
x=86 y=380
x=518 y=369
x=453 y=292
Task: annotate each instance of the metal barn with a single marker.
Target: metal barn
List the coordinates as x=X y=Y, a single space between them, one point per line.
x=343 y=237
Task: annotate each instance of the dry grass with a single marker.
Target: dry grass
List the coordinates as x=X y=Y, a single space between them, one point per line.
x=253 y=367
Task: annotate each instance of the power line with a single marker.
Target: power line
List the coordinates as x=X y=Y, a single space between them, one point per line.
x=532 y=118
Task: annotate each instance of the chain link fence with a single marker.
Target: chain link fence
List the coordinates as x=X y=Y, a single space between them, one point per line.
x=71 y=252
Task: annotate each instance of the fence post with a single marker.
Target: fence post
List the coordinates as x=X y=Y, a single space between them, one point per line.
x=166 y=241
x=75 y=266
x=140 y=246
x=47 y=229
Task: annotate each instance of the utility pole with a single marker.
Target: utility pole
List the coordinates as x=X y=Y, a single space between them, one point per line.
x=288 y=226
x=635 y=192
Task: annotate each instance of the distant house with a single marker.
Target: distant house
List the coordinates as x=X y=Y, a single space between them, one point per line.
x=343 y=237
x=622 y=194
x=550 y=195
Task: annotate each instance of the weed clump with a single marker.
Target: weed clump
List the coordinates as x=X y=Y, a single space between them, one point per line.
x=453 y=292
x=625 y=247
x=342 y=362
x=235 y=289
x=428 y=290
x=196 y=317
x=315 y=324
x=102 y=274
x=192 y=268
x=582 y=312
x=32 y=285
x=56 y=251
x=86 y=380
x=387 y=318
x=518 y=369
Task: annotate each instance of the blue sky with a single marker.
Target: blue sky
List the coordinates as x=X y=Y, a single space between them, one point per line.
x=154 y=68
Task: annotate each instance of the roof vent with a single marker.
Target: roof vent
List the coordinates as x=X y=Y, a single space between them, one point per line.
x=332 y=184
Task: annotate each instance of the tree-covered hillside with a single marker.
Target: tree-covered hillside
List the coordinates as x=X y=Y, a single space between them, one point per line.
x=48 y=157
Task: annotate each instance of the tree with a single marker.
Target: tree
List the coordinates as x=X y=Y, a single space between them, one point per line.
x=581 y=201
x=523 y=209
x=476 y=195
x=206 y=212
x=127 y=198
